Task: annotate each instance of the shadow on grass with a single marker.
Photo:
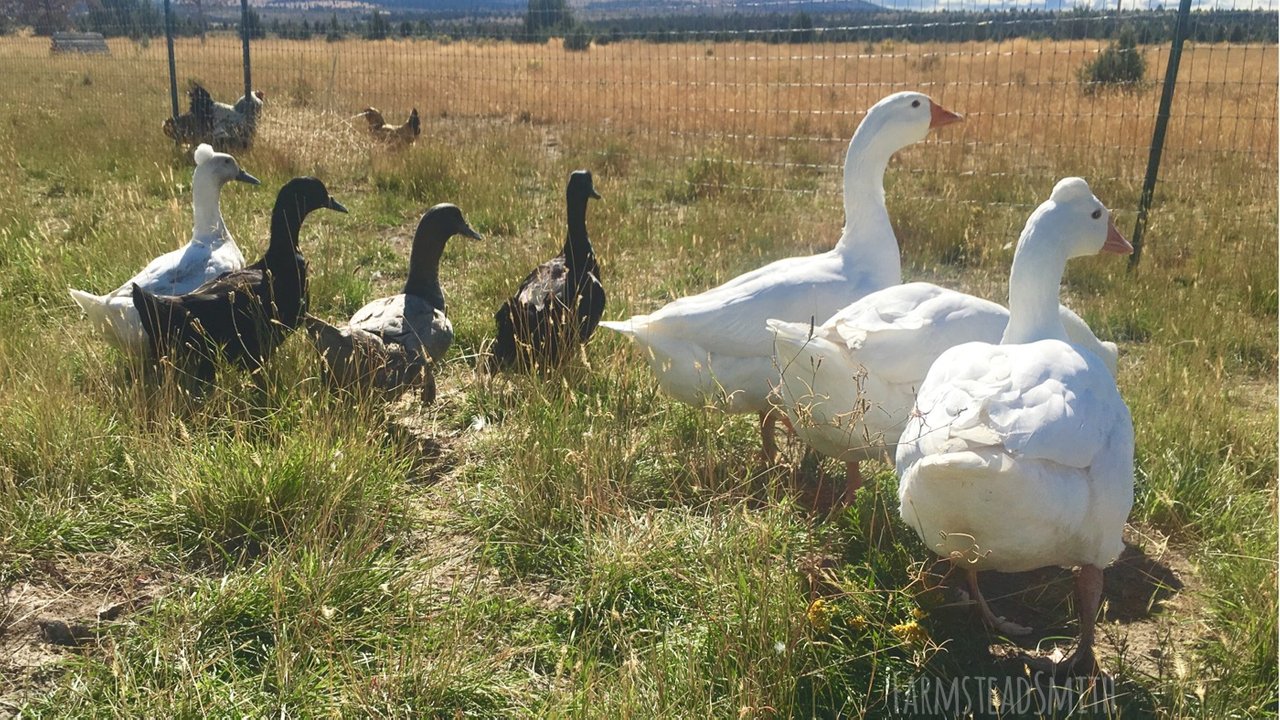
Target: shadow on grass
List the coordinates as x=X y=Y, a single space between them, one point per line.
x=1136 y=589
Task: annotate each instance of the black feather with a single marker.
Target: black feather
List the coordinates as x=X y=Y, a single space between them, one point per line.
x=245 y=314
x=559 y=304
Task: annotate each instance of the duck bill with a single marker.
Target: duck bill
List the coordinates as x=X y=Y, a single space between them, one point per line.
x=335 y=205
x=245 y=177
x=940 y=116
x=595 y=194
x=1116 y=244
x=469 y=232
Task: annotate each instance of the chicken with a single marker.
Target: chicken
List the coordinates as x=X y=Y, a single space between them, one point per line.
x=226 y=127
x=400 y=134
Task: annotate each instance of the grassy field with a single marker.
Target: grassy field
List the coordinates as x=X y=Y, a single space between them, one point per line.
x=575 y=544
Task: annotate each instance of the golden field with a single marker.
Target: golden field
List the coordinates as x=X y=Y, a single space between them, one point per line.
x=781 y=103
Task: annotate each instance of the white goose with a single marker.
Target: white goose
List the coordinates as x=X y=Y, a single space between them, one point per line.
x=714 y=347
x=848 y=385
x=1020 y=455
x=210 y=253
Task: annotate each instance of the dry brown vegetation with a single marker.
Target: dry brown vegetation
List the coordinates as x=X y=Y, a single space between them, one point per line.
x=774 y=100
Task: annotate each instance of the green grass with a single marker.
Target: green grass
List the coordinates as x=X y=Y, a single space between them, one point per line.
x=598 y=550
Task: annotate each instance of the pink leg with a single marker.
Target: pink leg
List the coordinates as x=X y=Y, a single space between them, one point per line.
x=1088 y=600
x=1000 y=624
x=769 y=445
x=852 y=482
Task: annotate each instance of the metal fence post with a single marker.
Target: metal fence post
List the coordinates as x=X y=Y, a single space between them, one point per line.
x=1162 y=125
x=244 y=39
x=173 y=68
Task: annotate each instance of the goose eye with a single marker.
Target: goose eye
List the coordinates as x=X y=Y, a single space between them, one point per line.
x=1097 y=214
x=915 y=103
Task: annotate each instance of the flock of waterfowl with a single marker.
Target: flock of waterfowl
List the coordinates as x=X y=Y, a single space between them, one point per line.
x=1013 y=446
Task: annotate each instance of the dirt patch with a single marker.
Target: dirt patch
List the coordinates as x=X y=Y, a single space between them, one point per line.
x=63 y=607
x=451 y=558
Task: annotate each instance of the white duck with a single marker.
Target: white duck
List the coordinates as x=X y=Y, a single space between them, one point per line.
x=1020 y=455
x=849 y=385
x=210 y=253
x=714 y=347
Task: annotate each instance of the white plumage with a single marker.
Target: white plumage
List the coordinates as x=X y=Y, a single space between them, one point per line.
x=210 y=253
x=1019 y=455
x=714 y=347
x=849 y=384
x=1025 y=451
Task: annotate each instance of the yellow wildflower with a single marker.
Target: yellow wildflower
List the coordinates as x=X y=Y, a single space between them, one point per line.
x=911 y=632
x=819 y=614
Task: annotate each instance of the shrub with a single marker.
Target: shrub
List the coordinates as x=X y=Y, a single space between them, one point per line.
x=577 y=39
x=1120 y=65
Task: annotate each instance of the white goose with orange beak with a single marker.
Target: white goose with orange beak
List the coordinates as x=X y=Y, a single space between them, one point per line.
x=713 y=348
x=1020 y=454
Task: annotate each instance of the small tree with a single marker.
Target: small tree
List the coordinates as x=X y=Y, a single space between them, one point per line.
x=1120 y=65
x=544 y=16
x=333 y=33
x=802 y=28
x=577 y=39
x=378 y=27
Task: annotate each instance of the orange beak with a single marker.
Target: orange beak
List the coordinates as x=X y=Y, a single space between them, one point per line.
x=939 y=116
x=1115 y=244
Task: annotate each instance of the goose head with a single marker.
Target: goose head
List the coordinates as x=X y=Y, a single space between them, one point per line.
x=436 y=227
x=443 y=222
x=1071 y=223
x=1077 y=221
x=581 y=187
x=298 y=198
x=903 y=119
x=302 y=195
x=220 y=168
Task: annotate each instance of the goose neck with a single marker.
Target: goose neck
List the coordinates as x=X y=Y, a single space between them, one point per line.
x=1034 y=284
x=286 y=221
x=577 y=244
x=207 y=215
x=424 y=268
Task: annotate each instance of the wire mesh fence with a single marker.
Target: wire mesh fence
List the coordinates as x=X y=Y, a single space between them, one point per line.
x=773 y=90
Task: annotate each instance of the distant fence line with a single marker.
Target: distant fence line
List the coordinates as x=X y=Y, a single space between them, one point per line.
x=1036 y=107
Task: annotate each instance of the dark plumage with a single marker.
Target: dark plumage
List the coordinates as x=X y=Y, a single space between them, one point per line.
x=560 y=303
x=243 y=314
x=226 y=127
x=391 y=343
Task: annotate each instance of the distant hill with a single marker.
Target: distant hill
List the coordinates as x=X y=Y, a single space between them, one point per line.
x=589 y=9
x=711 y=7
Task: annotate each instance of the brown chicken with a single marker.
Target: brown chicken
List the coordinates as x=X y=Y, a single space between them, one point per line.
x=401 y=134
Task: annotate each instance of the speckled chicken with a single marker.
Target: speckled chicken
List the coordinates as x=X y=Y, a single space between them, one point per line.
x=225 y=127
